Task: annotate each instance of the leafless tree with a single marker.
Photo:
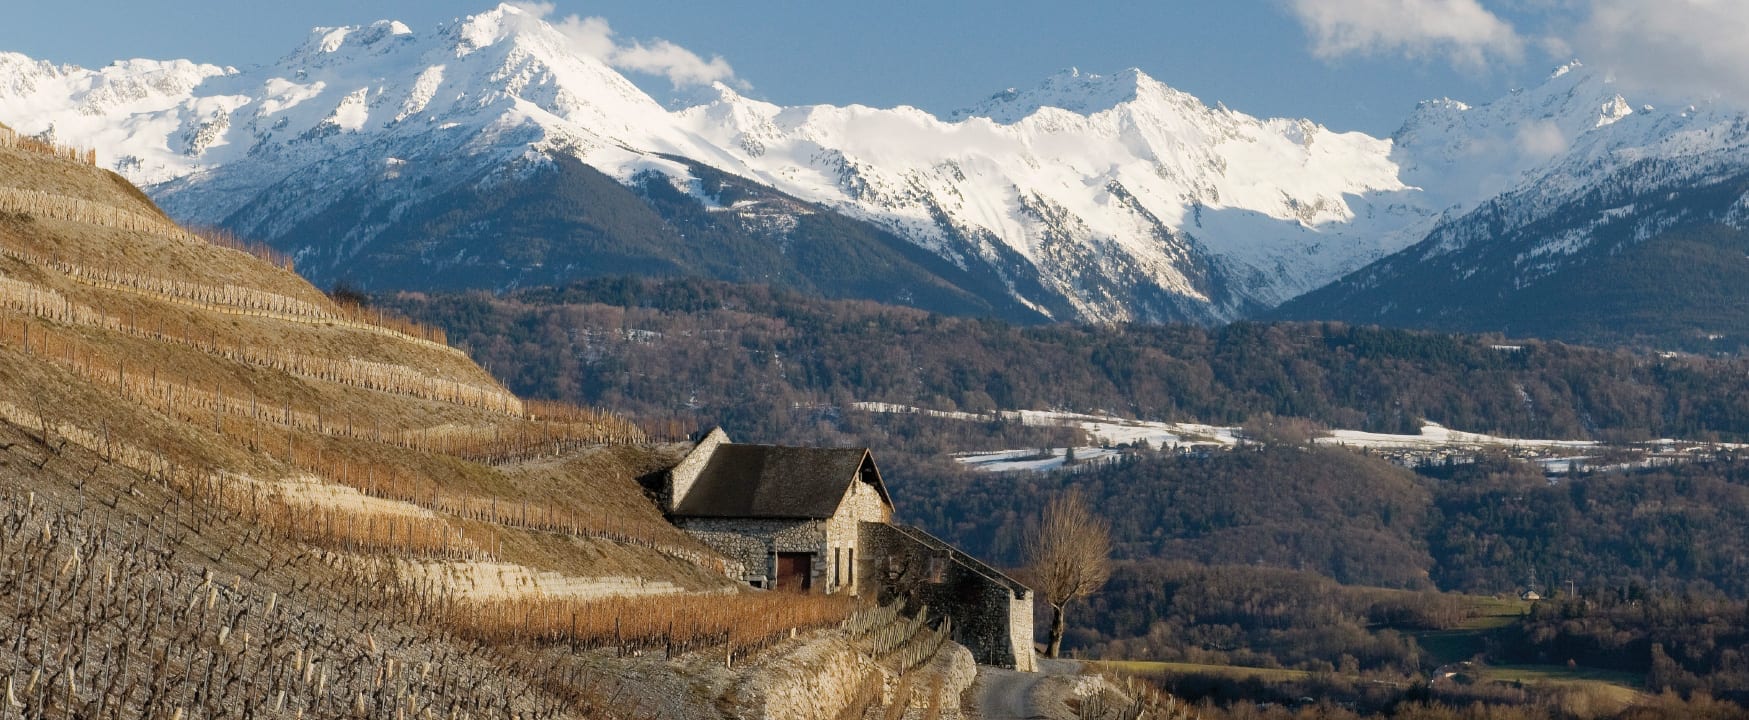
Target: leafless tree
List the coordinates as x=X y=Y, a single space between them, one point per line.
x=1070 y=557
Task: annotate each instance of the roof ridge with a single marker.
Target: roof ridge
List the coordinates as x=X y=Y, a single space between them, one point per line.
x=747 y=480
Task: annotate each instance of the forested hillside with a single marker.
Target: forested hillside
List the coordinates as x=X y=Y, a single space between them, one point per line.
x=1686 y=289
x=1271 y=557
x=1258 y=555
x=778 y=366
x=1494 y=526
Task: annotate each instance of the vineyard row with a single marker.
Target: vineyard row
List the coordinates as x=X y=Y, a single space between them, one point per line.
x=30 y=299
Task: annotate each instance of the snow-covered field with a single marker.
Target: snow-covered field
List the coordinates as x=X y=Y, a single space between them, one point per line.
x=1033 y=460
x=1109 y=432
x=1436 y=437
x=1106 y=430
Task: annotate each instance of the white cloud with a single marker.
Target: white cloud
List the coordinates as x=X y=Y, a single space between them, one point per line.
x=1541 y=139
x=1460 y=30
x=1690 y=47
x=594 y=37
x=681 y=66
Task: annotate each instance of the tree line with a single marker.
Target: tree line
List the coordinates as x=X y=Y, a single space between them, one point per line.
x=772 y=364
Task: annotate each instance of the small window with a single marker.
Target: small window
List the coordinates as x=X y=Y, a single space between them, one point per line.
x=837 y=566
x=850 y=559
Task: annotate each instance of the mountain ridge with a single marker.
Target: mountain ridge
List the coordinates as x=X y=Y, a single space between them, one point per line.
x=1086 y=198
x=1626 y=181
x=1020 y=200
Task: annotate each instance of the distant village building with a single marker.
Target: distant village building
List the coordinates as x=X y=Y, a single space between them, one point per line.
x=820 y=520
x=1532 y=595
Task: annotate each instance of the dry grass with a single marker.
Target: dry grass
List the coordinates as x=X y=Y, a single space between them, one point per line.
x=546 y=429
x=38 y=203
x=239 y=410
x=359 y=530
x=154 y=392
x=260 y=426
x=1140 y=699
x=42 y=302
x=10 y=139
x=233 y=313
x=112 y=618
x=737 y=624
x=220 y=237
x=1600 y=690
x=543 y=515
x=355 y=532
x=302 y=438
x=236 y=299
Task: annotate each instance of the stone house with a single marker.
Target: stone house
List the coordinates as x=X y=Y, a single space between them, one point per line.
x=820 y=520
x=791 y=516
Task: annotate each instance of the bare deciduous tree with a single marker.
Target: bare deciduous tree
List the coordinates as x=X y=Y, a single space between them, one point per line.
x=1070 y=557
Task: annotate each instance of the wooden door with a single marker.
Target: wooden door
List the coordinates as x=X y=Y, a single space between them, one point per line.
x=795 y=572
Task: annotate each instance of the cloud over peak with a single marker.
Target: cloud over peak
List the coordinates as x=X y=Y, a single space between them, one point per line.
x=1459 y=30
x=1694 y=47
x=594 y=37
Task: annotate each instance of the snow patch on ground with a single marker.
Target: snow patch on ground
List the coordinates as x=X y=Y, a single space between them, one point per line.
x=1435 y=436
x=1110 y=432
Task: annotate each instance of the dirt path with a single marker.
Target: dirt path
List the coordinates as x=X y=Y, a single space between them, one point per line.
x=1011 y=695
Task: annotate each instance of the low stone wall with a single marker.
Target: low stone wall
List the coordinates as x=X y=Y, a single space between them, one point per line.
x=867 y=662
x=815 y=682
x=992 y=613
x=940 y=683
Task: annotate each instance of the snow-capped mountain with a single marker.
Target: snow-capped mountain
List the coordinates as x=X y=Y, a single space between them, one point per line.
x=491 y=153
x=1581 y=190
x=1089 y=197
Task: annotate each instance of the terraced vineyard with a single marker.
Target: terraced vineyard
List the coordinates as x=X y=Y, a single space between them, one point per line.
x=223 y=494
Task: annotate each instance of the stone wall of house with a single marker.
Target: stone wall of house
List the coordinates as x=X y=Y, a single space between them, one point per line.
x=1020 y=634
x=681 y=478
x=752 y=542
x=992 y=614
x=862 y=503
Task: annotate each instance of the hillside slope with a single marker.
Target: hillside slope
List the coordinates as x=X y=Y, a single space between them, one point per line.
x=224 y=495
x=782 y=367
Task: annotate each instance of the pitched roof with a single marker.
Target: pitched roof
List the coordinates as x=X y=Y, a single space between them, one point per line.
x=773 y=481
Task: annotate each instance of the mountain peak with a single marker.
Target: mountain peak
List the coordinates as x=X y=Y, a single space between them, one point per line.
x=331 y=41
x=486 y=29
x=1071 y=89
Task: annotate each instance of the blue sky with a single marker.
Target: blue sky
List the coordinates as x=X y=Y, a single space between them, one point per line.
x=1350 y=64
